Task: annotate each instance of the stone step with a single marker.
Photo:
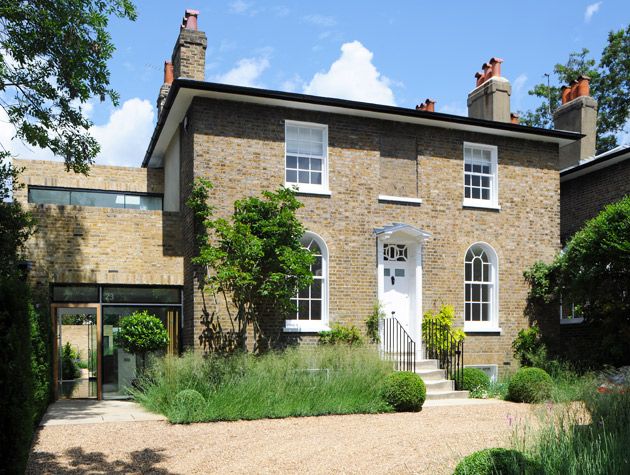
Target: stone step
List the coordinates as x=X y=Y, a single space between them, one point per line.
x=447 y=395
x=439 y=385
x=426 y=364
x=431 y=374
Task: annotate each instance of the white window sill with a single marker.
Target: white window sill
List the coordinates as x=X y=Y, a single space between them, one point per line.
x=481 y=329
x=304 y=327
x=308 y=191
x=399 y=199
x=571 y=321
x=484 y=204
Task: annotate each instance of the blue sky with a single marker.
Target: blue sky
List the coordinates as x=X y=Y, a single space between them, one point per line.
x=392 y=52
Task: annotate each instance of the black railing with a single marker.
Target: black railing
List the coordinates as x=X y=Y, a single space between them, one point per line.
x=397 y=345
x=440 y=344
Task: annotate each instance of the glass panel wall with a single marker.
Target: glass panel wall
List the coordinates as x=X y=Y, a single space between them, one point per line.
x=100 y=199
x=75 y=293
x=119 y=367
x=141 y=295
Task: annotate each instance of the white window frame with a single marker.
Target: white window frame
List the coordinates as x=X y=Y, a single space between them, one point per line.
x=492 y=325
x=573 y=320
x=493 y=202
x=307 y=187
x=311 y=326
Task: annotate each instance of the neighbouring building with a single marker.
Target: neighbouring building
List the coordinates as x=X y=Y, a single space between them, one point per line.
x=410 y=207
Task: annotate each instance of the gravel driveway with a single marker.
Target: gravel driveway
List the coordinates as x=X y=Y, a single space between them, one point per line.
x=431 y=441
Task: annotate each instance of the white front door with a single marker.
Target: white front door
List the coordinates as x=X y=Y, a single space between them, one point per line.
x=396 y=286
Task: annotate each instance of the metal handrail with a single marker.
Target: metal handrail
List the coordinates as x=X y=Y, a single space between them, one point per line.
x=440 y=344
x=397 y=345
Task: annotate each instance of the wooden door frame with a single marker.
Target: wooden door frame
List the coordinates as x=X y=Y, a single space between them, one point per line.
x=99 y=347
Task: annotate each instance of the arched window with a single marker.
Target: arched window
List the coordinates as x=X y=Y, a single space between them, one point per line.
x=481 y=281
x=312 y=302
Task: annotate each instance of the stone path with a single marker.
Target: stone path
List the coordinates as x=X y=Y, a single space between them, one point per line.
x=89 y=411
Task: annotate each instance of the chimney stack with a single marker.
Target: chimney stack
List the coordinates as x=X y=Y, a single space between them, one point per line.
x=427 y=106
x=490 y=100
x=189 y=54
x=577 y=113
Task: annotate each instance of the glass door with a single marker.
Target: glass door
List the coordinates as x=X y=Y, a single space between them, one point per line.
x=76 y=350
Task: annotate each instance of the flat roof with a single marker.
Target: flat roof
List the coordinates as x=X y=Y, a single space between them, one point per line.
x=183 y=91
x=603 y=160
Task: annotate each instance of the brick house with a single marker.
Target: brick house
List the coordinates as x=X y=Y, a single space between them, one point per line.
x=588 y=182
x=409 y=207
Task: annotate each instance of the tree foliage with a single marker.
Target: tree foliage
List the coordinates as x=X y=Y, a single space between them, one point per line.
x=141 y=333
x=593 y=272
x=610 y=86
x=253 y=261
x=53 y=58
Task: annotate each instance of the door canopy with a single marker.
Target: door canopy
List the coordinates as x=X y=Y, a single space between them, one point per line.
x=401 y=230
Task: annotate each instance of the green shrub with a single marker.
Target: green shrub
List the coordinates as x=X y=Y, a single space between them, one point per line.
x=188 y=406
x=341 y=334
x=325 y=379
x=530 y=385
x=444 y=318
x=371 y=323
x=16 y=378
x=496 y=462
x=404 y=391
x=41 y=364
x=141 y=333
x=69 y=367
x=475 y=380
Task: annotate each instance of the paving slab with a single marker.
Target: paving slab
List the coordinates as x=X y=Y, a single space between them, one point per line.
x=89 y=411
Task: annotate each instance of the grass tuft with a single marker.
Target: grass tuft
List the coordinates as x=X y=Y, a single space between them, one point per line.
x=295 y=382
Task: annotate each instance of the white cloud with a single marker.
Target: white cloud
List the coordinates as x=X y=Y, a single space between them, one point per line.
x=320 y=20
x=454 y=108
x=519 y=83
x=245 y=73
x=353 y=76
x=591 y=10
x=239 y=6
x=123 y=139
x=292 y=84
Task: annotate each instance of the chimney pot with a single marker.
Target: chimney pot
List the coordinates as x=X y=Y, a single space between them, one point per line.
x=583 y=86
x=421 y=107
x=190 y=20
x=495 y=63
x=430 y=105
x=573 y=86
x=514 y=118
x=566 y=94
x=168 y=72
x=478 y=79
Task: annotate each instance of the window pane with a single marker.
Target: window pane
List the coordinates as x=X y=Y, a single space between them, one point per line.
x=317 y=134
x=316 y=310
x=476 y=168
x=303 y=163
x=291 y=161
x=291 y=176
x=468 y=314
x=477 y=270
x=476 y=293
x=292 y=132
x=399 y=272
x=303 y=293
x=486 y=155
x=292 y=146
x=79 y=293
x=467 y=180
x=485 y=194
x=486 y=272
x=316 y=178
x=386 y=272
x=303 y=310
x=316 y=164
x=485 y=181
x=467 y=192
x=476 y=180
x=476 y=312
x=484 y=293
x=93 y=198
x=141 y=295
x=53 y=197
x=476 y=193
x=485 y=312
x=486 y=169
x=303 y=177
x=316 y=268
x=467 y=167
x=316 y=289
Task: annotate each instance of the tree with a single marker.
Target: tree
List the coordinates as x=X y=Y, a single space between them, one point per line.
x=610 y=86
x=53 y=59
x=593 y=272
x=254 y=260
x=141 y=333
